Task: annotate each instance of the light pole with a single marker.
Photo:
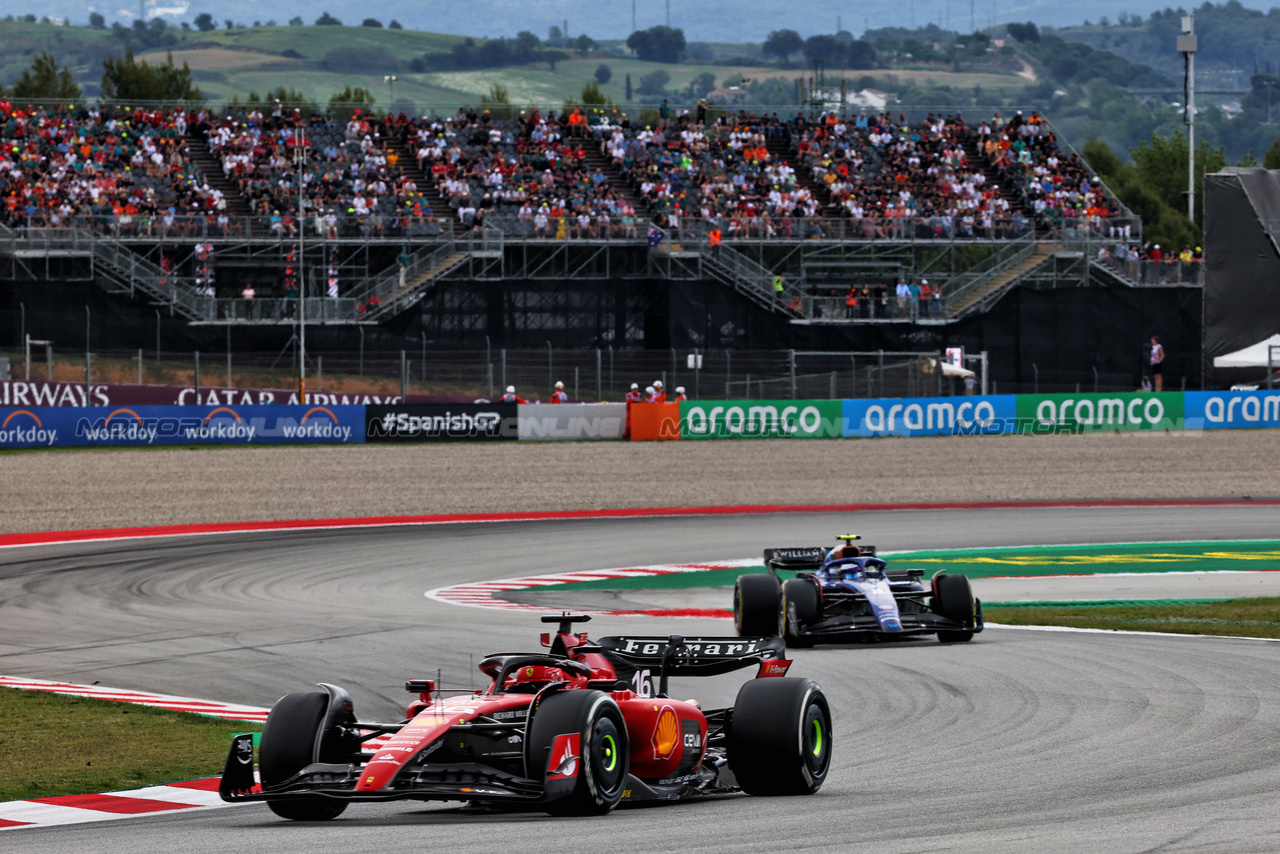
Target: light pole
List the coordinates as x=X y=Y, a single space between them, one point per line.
x=1187 y=47
x=390 y=80
x=300 y=164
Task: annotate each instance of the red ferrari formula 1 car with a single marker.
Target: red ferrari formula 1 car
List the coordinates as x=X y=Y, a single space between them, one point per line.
x=574 y=730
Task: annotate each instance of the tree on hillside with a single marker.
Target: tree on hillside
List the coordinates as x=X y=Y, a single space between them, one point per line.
x=700 y=86
x=1152 y=186
x=295 y=21
x=592 y=96
x=584 y=43
x=371 y=22
x=603 y=74
x=344 y=104
x=654 y=83
x=126 y=79
x=657 y=44
x=498 y=102
x=395 y=25
x=1027 y=32
x=204 y=22
x=360 y=60
x=551 y=57
x=555 y=38
x=44 y=80
x=1271 y=160
x=628 y=95
x=97 y=22
x=781 y=44
x=327 y=20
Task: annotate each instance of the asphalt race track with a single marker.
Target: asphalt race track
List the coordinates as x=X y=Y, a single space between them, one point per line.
x=1021 y=741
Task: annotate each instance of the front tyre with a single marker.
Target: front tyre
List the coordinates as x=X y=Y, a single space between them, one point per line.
x=780 y=738
x=289 y=743
x=577 y=744
x=756 y=606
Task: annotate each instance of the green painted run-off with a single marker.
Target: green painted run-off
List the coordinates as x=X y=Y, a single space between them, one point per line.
x=1219 y=556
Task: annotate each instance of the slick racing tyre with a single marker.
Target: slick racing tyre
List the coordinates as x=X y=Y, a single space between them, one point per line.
x=288 y=745
x=799 y=608
x=586 y=729
x=780 y=737
x=756 y=606
x=953 y=599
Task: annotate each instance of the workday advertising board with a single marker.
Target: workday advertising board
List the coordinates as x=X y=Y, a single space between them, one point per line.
x=98 y=426
x=761 y=419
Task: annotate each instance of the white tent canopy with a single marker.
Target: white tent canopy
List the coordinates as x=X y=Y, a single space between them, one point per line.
x=1253 y=356
x=950 y=370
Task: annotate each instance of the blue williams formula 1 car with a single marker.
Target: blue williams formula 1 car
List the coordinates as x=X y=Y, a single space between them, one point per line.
x=847 y=594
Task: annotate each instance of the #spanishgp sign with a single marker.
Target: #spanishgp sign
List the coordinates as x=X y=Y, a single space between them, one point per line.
x=442 y=422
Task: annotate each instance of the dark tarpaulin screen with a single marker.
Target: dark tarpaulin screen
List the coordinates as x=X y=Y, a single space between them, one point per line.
x=1242 y=258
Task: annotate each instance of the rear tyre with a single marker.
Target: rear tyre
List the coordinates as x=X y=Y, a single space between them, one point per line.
x=603 y=762
x=953 y=599
x=799 y=608
x=756 y=606
x=780 y=737
x=289 y=740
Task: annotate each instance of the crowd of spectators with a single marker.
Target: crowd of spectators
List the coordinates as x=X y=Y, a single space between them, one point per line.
x=901 y=180
x=719 y=172
x=528 y=177
x=548 y=175
x=352 y=180
x=126 y=170
x=1057 y=186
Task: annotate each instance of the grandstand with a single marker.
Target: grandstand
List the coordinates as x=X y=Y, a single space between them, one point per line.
x=806 y=220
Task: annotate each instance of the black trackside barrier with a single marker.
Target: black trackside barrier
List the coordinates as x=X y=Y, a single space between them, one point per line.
x=442 y=422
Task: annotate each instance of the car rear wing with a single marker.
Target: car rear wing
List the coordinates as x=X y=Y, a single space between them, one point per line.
x=803 y=558
x=679 y=656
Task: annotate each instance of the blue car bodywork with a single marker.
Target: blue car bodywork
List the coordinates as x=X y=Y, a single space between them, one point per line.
x=851 y=595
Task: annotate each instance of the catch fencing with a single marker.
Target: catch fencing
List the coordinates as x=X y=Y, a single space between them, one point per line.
x=589 y=375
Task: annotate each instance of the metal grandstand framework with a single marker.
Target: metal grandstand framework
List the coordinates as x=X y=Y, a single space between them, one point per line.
x=359 y=275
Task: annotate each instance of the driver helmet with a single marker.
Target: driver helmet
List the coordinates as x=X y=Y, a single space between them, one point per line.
x=511 y=389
